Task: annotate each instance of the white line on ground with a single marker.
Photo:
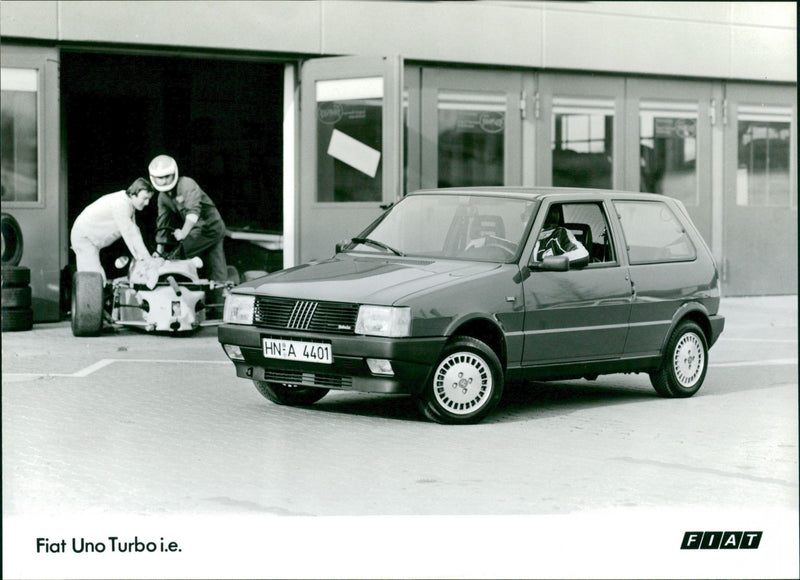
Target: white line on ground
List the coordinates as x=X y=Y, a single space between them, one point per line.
x=755 y=363
x=85 y=372
x=787 y=340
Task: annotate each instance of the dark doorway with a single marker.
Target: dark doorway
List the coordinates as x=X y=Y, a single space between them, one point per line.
x=222 y=120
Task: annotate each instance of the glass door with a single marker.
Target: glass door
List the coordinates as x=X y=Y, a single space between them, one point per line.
x=30 y=147
x=351 y=145
x=668 y=144
x=760 y=191
x=471 y=128
x=579 y=129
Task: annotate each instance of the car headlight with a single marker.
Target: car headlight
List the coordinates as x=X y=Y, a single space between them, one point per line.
x=384 y=321
x=239 y=309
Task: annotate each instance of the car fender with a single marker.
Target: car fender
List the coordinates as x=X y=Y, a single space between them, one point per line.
x=691 y=310
x=485 y=328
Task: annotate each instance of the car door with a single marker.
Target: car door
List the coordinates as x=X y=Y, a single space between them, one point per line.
x=580 y=314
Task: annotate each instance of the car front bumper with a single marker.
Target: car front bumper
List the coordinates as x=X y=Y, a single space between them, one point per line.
x=411 y=360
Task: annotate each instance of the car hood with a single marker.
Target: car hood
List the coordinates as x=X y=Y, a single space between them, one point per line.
x=364 y=280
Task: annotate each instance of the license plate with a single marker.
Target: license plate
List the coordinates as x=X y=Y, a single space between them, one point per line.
x=297 y=350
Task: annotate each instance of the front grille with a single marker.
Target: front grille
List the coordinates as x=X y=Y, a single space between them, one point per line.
x=307 y=379
x=292 y=314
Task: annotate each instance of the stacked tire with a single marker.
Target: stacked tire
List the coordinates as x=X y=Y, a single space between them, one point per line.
x=16 y=298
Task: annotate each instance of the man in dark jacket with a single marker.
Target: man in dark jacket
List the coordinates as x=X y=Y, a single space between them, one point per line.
x=182 y=205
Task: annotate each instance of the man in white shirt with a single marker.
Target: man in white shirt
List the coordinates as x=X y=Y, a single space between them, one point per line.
x=107 y=219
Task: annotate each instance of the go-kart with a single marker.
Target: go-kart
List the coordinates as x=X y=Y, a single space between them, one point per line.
x=163 y=294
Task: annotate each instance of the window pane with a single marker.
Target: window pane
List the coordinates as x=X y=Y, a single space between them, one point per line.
x=653 y=233
x=668 y=150
x=349 y=140
x=583 y=142
x=471 y=138
x=587 y=224
x=762 y=177
x=19 y=149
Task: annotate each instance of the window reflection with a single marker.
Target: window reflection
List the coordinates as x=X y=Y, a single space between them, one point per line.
x=471 y=138
x=668 y=150
x=19 y=150
x=349 y=140
x=583 y=142
x=762 y=177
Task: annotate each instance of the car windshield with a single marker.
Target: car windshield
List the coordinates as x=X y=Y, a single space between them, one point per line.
x=469 y=227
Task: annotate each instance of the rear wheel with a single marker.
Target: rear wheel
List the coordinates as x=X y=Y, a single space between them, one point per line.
x=685 y=363
x=287 y=394
x=87 y=304
x=466 y=383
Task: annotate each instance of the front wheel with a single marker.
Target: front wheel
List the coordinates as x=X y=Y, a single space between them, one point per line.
x=685 y=363
x=287 y=394
x=465 y=385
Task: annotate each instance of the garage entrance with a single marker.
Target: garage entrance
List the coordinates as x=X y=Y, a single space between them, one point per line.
x=220 y=119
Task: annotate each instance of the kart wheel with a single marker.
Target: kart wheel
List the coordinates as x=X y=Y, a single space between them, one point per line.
x=87 y=304
x=11 y=240
x=465 y=384
x=292 y=395
x=685 y=363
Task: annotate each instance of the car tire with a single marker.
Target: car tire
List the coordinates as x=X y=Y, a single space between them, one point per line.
x=291 y=395
x=465 y=384
x=11 y=240
x=685 y=363
x=16 y=297
x=87 y=304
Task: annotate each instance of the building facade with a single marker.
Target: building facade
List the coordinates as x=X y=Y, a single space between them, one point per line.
x=302 y=120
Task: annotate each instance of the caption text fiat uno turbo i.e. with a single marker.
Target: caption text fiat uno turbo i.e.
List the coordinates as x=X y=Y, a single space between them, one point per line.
x=453 y=292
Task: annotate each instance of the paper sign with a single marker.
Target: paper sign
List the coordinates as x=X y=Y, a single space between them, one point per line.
x=353 y=152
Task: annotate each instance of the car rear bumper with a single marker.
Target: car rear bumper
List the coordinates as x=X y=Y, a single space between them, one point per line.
x=717 y=325
x=411 y=360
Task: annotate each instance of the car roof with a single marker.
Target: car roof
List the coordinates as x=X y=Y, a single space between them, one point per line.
x=539 y=193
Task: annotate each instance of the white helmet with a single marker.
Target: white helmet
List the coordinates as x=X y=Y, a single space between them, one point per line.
x=162 y=167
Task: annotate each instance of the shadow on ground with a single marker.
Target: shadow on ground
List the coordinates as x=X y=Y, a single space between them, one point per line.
x=522 y=401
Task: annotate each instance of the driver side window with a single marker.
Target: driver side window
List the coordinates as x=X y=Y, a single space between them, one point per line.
x=578 y=230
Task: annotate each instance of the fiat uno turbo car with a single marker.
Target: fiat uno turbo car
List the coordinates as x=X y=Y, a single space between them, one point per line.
x=449 y=295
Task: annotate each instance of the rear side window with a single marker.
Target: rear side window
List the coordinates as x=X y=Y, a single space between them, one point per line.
x=653 y=233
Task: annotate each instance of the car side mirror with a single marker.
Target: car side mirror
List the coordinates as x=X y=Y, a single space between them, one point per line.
x=552 y=264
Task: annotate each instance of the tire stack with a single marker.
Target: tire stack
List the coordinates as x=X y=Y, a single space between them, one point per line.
x=16 y=299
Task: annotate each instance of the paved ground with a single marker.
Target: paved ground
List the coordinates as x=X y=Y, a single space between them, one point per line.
x=131 y=425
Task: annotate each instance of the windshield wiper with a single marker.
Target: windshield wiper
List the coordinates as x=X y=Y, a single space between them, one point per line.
x=377 y=244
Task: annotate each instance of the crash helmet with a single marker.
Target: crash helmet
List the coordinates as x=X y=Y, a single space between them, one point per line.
x=163 y=172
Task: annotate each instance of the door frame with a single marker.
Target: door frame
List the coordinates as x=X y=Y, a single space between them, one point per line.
x=758 y=241
x=667 y=90
x=321 y=224
x=581 y=86
x=43 y=222
x=475 y=81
